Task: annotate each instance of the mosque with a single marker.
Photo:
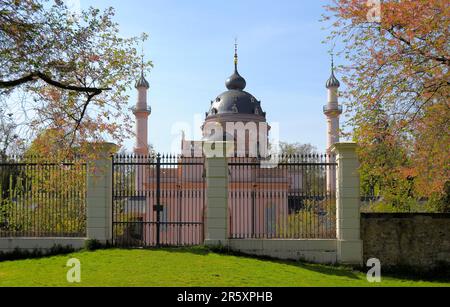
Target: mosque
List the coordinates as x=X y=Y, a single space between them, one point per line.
x=182 y=187
x=235 y=105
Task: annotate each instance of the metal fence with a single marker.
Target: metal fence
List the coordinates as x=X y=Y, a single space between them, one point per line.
x=294 y=200
x=158 y=200
x=39 y=198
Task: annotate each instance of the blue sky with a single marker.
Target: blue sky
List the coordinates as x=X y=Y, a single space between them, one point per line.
x=191 y=44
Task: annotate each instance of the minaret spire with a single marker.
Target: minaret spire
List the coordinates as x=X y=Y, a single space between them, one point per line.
x=332 y=62
x=236 y=59
x=142 y=60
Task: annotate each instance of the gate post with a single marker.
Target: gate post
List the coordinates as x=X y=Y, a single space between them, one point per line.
x=216 y=230
x=99 y=194
x=348 y=198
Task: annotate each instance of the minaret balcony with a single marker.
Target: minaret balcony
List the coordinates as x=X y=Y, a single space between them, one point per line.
x=333 y=110
x=147 y=110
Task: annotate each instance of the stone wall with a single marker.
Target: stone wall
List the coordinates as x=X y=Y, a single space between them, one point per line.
x=414 y=240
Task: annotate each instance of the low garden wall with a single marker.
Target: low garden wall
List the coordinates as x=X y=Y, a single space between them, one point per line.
x=43 y=245
x=414 y=240
x=318 y=251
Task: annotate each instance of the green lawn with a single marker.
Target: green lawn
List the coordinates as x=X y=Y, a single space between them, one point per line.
x=175 y=267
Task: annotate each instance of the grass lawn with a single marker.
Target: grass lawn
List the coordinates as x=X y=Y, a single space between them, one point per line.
x=182 y=267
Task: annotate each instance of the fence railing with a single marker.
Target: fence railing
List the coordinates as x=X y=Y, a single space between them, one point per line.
x=42 y=199
x=295 y=200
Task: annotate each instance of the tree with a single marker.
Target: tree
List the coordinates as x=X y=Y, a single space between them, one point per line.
x=297 y=149
x=399 y=60
x=8 y=136
x=75 y=70
x=384 y=161
x=293 y=153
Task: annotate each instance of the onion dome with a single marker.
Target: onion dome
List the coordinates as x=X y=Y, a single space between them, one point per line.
x=236 y=81
x=333 y=82
x=142 y=82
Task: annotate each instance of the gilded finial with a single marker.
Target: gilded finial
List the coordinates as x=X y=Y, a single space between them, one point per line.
x=235 y=53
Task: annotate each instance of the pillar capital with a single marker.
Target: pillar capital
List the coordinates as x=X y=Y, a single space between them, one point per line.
x=345 y=150
x=344 y=147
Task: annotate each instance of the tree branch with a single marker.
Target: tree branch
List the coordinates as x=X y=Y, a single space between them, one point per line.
x=38 y=75
x=440 y=59
x=80 y=119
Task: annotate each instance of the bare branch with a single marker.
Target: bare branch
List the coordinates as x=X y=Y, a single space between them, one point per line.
x=38 y=75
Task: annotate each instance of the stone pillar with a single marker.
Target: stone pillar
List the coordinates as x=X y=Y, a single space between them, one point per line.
x=349 y=244
x=99 y=194
x=217 y=173
x=216 y=228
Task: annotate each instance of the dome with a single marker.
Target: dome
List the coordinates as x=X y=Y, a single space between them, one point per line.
x=236 y=82
x=333 y=81
x=236 y=102
x=142 y=82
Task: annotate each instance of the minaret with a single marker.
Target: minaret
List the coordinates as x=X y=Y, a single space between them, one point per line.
x=332 y=111
x=142 y=111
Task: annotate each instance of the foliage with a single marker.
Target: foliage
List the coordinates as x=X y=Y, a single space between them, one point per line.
x=75 y=69
x=297 y=149
x=43 y=199
x=308 y=223
x=93 y=245
x=19 y=254
x=10 y=142
x=306 y=218
x=383 y=161
x=438 y=203
x=397 y=94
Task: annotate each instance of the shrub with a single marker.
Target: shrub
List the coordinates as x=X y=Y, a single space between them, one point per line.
x=93 y=245
x=20 y=254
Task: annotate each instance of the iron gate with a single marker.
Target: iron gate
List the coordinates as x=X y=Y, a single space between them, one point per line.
x=158 y=200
